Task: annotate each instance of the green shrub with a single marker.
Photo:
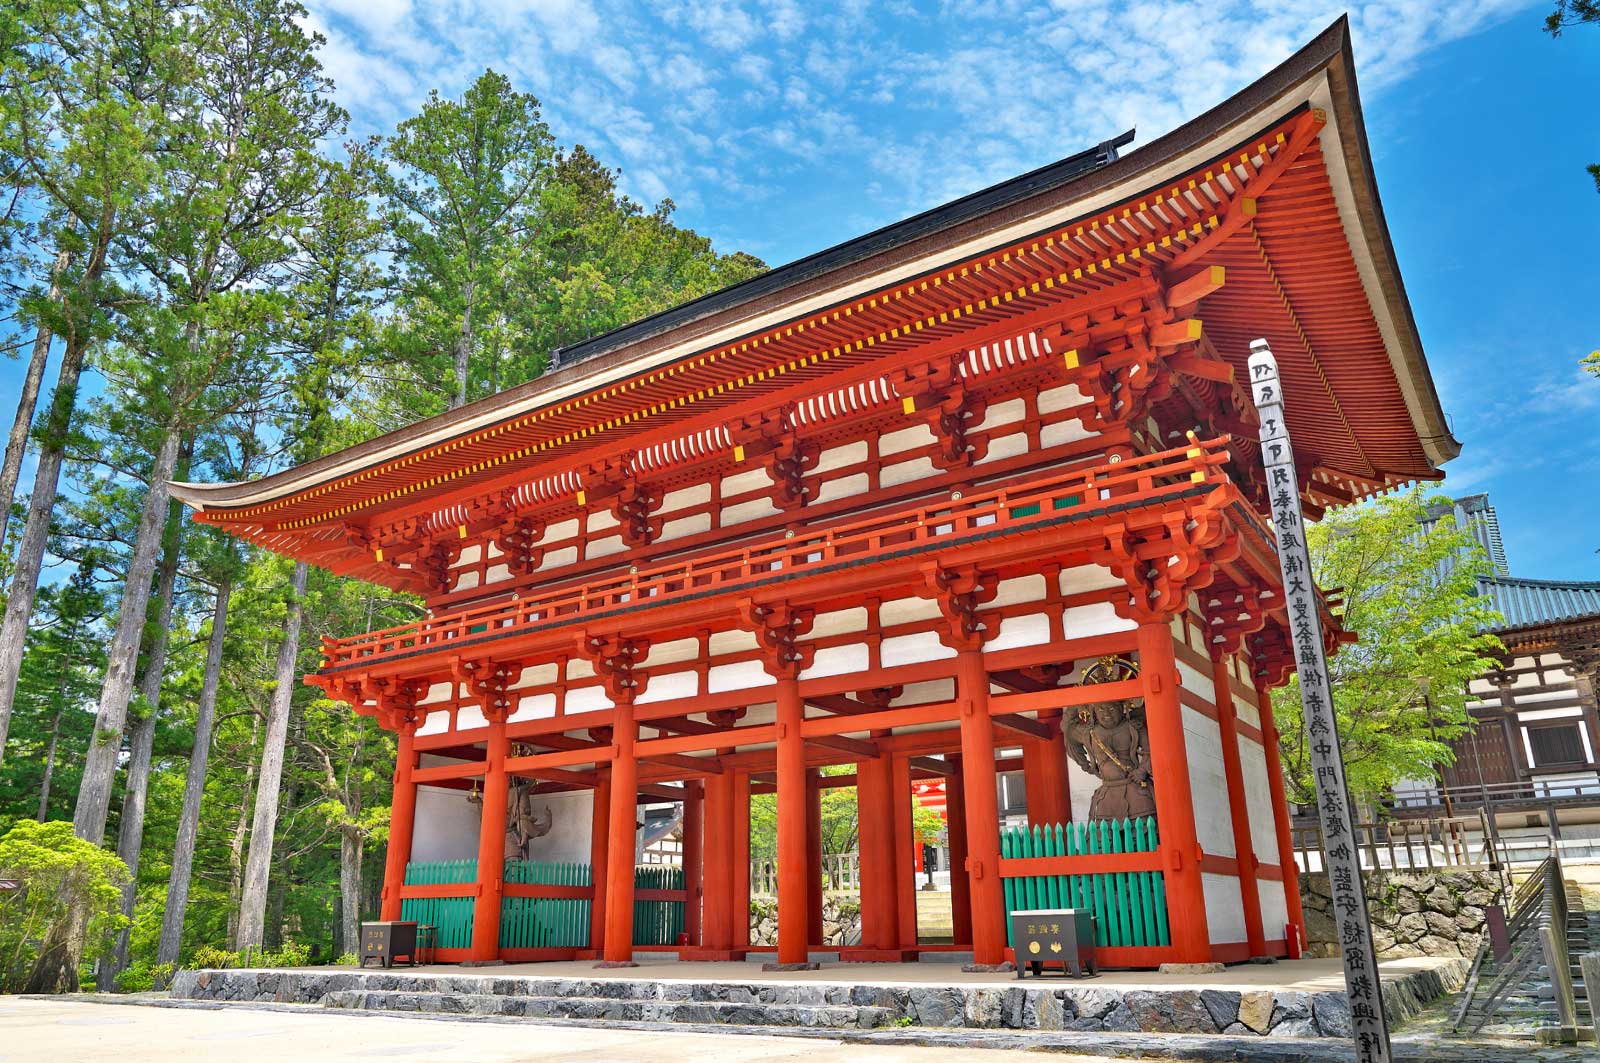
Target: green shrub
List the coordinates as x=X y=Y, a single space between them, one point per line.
x=209 y=956
x=67 y=911
x=349 y=959
x=290 y=954
x=143 y=977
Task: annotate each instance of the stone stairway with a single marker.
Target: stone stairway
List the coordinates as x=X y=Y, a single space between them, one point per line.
x=1531 y=1003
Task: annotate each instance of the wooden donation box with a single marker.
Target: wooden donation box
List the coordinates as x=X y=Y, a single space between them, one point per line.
x=388 y=942
x=1057 y=935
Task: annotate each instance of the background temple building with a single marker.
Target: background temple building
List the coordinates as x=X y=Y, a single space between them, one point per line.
x=889 y=507
x=1532 y=755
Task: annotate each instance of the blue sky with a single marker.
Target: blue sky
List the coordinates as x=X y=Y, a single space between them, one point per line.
x=780 y=127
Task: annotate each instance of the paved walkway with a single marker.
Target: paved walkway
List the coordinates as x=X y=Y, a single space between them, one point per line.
x=67 y=1031
x=131 y=1030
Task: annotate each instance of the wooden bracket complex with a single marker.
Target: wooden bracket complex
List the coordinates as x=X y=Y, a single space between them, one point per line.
x=771 y=438
x=937 y=393
x=615 y=483
x=616 y=661
x=960 y=592
x=489 y=681
x=778 y=628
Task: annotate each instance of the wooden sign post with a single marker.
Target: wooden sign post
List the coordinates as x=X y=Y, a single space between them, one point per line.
x=1369 y=1026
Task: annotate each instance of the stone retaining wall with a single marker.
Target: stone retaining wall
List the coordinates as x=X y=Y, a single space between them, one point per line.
x=841 y=920
x=1025 y=1006
x=1414 y=913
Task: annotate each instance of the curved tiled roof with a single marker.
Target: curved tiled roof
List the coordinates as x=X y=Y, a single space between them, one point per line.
x=1531 y=602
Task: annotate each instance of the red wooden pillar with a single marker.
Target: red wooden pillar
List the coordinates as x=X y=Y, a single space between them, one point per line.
x=1169 y=766
x=717 y=925
x=988 y=904
x=814 y=925
x=1238 y=806
x=402 y=823
x=599 y=849
x=1044 y=768
x=1280 y=819
x=693 y=859
x=739 y=821
x=955 y=812
x=880 y=915
x=491 y=843
x=624 y=811
x=906 y=851
x=793 y=904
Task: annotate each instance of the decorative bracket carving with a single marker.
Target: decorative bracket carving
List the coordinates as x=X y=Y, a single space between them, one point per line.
x=960 y=593
x=518 y=541
x=937 y=392
x=1162 y=564
x=778 y=628
x=615 y=482
x=616 y=661
x=489 y=681
x=1233 y=612
x=771 y=438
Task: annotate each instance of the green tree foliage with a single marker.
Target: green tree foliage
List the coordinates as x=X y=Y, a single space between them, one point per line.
x=1567 y=14
x=69 y=896
x=247 y=294
x=1410 y=595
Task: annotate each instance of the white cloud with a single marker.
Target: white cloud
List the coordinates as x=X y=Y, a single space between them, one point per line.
x=718 y=103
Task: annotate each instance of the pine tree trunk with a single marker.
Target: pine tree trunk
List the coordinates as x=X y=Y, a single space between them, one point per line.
x=36 y=533
x=253 y=902
x=142 y=736
x=350 y=888
x=171 y=944
x=50 y=758
x=17 y=445
x=100 y=763
x=241 y=828
x=464 y=350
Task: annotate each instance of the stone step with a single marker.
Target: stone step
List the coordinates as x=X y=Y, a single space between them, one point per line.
x=838 y=1016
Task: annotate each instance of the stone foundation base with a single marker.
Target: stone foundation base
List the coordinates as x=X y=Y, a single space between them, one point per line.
x=819 y=1004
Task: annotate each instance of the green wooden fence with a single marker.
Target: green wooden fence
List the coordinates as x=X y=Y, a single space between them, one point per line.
x=452 y=915
x=539 y=922
x=657 y=922
x=1130 y=908
x=545 y=922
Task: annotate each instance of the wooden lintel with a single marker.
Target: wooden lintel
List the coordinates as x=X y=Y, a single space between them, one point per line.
x=1196 y=286
x=1023 y=726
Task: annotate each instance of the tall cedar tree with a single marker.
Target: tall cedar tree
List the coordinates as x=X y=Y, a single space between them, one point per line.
x=97 y=89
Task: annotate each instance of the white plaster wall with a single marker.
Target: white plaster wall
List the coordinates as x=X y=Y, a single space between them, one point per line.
x=838 y=660
x=665 y=686
x=1096 y=618
x=1030 y=629
x=905 y=472
x=534 y=707
x=1208 y=784
x=1224 y=909
x=447 y=823
x=1258 y=799
x=914 y=649
x=571 y=822
x=917 y=435
x=1062 y=398
x=1196 y=682
x=1081 y=787
x=1274 y=908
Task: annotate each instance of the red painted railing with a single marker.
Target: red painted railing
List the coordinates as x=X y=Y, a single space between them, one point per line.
x=1147 y=478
